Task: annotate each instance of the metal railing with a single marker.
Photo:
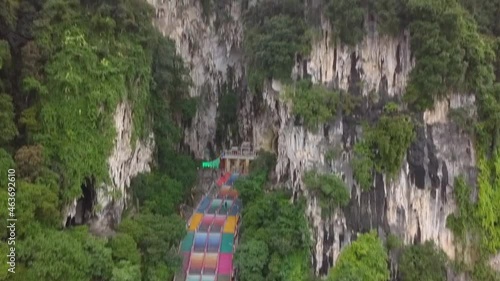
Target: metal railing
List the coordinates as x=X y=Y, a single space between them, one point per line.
x=228 y=153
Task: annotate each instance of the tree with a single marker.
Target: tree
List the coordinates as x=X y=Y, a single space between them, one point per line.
x=4 y=54
x=362 y=165
x=126 y=271
x=125 y=249
x=384 y=146
x=364 y=260
x=158 y=238
x=271 y=46
x=329 y=189
x=250 y=259
x=36 y=203
x=8 y=129
x=158 y=192
x=347 y=19
x=313 y=103
x=30 y=160
x=58 y=256
x=423 y=262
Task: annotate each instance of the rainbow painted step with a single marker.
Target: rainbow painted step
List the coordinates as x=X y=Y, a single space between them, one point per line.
x=209 y=245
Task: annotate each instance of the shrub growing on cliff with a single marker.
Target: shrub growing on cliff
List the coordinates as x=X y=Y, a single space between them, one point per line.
x=365 y=259
x=384 y=146
x=330 y=190
x=463 y=217
x=362 y=165
x=313 y=103
x=347 y=19
x=273 y=37
x=280 y=225
x=423 y=262
x=450 y=54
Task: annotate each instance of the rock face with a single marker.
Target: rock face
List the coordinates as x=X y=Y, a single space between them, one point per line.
x=209 y=52
x=126 y=161
x=413 y=206
x=107 y=202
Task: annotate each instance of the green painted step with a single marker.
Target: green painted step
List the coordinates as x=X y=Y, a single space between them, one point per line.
x=227 y=243
x=187 y=243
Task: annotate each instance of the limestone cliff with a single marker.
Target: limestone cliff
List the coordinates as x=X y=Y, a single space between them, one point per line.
x=107 y=201
x=414 y=205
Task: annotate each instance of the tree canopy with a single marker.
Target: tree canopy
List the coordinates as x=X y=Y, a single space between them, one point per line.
x=365 y=259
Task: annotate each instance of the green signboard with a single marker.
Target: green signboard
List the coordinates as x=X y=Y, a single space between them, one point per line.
x=211 y=164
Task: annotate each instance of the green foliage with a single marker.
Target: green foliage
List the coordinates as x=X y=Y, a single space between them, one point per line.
x=6 y=163
x=365 y=259
x=159 y=193
x=273 y=221
x=251 y=188
x=86 y=58
x=274 y=33
x=36 y=203
x=330 y=190
x=171 y=81
x=313 y=103
x=384 y=147
x=423 y=262
x=485 y=13
x=463 y=219
x=5 y=57
x=157 y=237
x=483 y=271
x=389 y=16
x=450 y=53
x=333 y=153
x=295 y=267
x=126 y=271
x=464 y=118
x=488 y=206
x=73 y=255
x=125 y=249
x=89 y=73
x=347 y=19
x=30 y=161
x=393 y=242
x=9 y=11
x=8 y=129
x=275 y=238
x=251 y=259
x=362 y=165
x=349 y=103
x=390 y=139
x=263 y=164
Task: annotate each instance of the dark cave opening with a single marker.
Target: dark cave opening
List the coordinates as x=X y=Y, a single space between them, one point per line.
x=84 y=205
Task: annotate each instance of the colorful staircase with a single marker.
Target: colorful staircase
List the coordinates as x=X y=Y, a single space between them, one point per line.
x=208 y=247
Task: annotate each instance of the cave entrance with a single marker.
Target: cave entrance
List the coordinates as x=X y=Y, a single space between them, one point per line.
x=84 y=205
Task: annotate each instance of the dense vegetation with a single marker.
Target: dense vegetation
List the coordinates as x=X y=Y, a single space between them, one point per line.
x=64 y=68
x=275 y=32
x=330 y=190
x=423 y=262
x=383 y=146
x=66 y=65
x=275 y=239
x=365 y=259
x=456 y=47
x=313 y=103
